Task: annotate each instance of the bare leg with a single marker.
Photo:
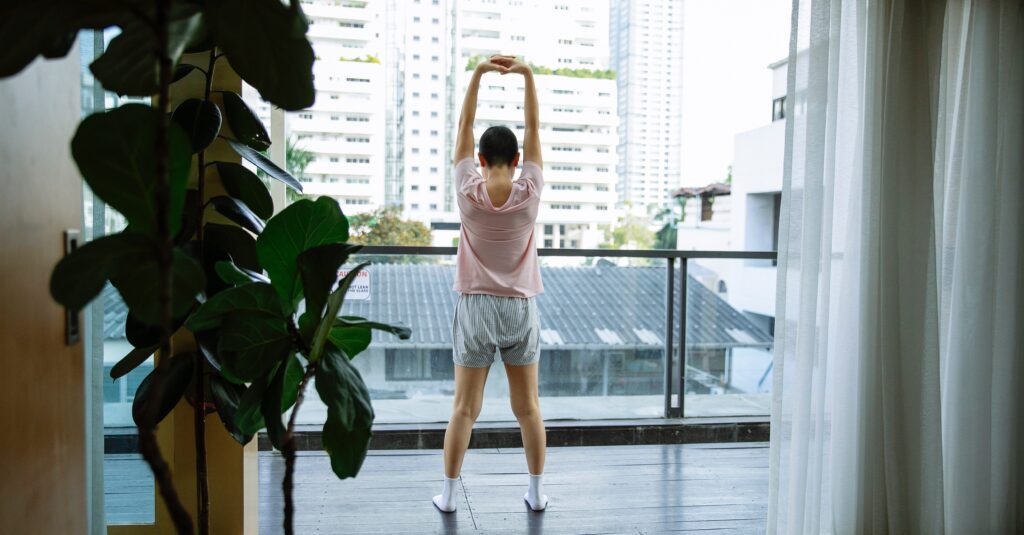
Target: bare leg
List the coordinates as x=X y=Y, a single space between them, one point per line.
x=522 y=387
x=469 y=398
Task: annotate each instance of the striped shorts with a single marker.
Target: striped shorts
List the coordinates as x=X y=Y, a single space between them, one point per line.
x=487 y=323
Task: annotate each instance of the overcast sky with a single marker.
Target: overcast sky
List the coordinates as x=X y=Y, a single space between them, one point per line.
x=727 y=46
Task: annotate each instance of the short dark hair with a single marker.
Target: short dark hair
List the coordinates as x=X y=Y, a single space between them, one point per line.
x=499 y=145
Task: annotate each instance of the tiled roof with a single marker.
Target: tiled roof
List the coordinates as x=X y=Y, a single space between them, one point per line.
x=581 y=306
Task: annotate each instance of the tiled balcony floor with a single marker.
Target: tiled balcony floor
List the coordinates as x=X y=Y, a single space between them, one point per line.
x=705 y=488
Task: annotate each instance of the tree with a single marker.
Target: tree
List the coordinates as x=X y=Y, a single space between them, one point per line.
x=631 y=232
x=296 y=159
x=385 y=226
x=667 y=235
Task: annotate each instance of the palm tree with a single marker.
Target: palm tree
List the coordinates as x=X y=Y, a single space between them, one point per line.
x=296 y=159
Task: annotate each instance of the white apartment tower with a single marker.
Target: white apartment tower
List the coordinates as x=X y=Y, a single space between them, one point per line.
x=646 y=52
x=345 y=128
x=419 y=105
x=578 y=113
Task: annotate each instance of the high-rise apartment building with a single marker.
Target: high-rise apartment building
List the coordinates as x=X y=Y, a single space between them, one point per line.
x=645 y=39
x=578 y=107
x=419 y=177
x=344 y=131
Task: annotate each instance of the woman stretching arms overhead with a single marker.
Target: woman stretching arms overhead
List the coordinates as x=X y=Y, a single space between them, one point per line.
x=497 y=278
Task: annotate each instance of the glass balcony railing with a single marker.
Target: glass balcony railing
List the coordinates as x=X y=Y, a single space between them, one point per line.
x=607 y=324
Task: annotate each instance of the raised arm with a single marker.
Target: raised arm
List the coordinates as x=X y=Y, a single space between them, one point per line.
x=531 y=110
x=465 y=141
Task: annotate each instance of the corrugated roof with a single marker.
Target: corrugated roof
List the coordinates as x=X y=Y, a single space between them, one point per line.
x=598 y=305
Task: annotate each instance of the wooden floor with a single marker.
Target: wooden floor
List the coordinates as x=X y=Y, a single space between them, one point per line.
x=705 y=488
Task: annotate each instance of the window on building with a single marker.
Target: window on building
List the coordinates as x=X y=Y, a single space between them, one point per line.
x=779 y=108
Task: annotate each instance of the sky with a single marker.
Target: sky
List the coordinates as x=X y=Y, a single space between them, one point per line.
x=727 y=47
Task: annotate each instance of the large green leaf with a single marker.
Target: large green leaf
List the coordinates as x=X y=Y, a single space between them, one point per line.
x=290 y=387
x=179 y=373
x=318 y=269
x=238 y=212
x=301 y=226
x=237 y=276
x=254 y=299
x=252 y=344
x=115 y=153
x=334 y=303
x=245 y=124
x=245 y=186
x=347 y=431
x=132 y=360
x=129 y=64
x=226 y=397
x=351 y=340
x=400 y=331
x=264 y=164
x=201 y=120
x=270 y=407
x=228 y=242
x=139 y=287
x=265 y=41
x=141 y=334
x=80 y=276
x=249 y=419
x=128 y=260
x=49 y=28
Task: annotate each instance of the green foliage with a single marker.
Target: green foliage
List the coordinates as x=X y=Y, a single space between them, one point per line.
x=385 y=226
x=245 y=124
x=226 y=397
x=237 y=294
x=297 y=160
x=201 y=121
x=601 y=74
x=631 y=232
x=346 y=433
x=243 y=185
x=127 y=66
x=299 y=227
x=369 y=58
x=267 y=47
x=179 y=374
x=115 y=152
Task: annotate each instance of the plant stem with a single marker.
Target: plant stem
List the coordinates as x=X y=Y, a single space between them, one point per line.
x=289 y=451
x=147 y=431
x=199 y=405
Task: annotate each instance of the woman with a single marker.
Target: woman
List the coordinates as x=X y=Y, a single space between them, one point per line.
x=497 y=278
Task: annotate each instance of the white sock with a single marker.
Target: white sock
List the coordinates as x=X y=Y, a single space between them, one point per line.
x=535 y=496
x=446 y=500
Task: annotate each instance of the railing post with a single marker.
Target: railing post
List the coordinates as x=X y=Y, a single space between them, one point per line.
x=669 y=325
x=683 y=275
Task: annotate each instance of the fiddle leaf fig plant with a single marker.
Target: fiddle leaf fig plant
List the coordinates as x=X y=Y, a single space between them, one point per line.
x=255 y=306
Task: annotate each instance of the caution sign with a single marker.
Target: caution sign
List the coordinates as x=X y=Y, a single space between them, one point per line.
x=360 y=289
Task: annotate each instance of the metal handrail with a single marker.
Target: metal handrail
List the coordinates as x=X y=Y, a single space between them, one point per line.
x=672 y=313
x=607 y=253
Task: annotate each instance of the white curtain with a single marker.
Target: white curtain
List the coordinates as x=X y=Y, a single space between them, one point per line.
x=899 y=381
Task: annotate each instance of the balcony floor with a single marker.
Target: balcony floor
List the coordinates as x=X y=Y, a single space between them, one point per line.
x=710 y=488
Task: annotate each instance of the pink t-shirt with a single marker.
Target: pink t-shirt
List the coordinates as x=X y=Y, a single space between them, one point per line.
x=497 y=252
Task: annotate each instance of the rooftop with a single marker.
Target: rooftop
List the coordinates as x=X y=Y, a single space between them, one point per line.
x=582 y=307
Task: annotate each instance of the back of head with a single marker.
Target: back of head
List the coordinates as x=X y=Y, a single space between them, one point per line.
x=499 y=146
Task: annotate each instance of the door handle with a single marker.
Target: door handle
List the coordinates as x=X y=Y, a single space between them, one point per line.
x=72 y=325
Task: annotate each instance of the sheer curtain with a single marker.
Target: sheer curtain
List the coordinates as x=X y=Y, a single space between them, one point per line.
x=900 y=326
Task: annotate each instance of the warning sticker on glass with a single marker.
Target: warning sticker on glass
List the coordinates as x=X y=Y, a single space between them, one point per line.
x=360 y=289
